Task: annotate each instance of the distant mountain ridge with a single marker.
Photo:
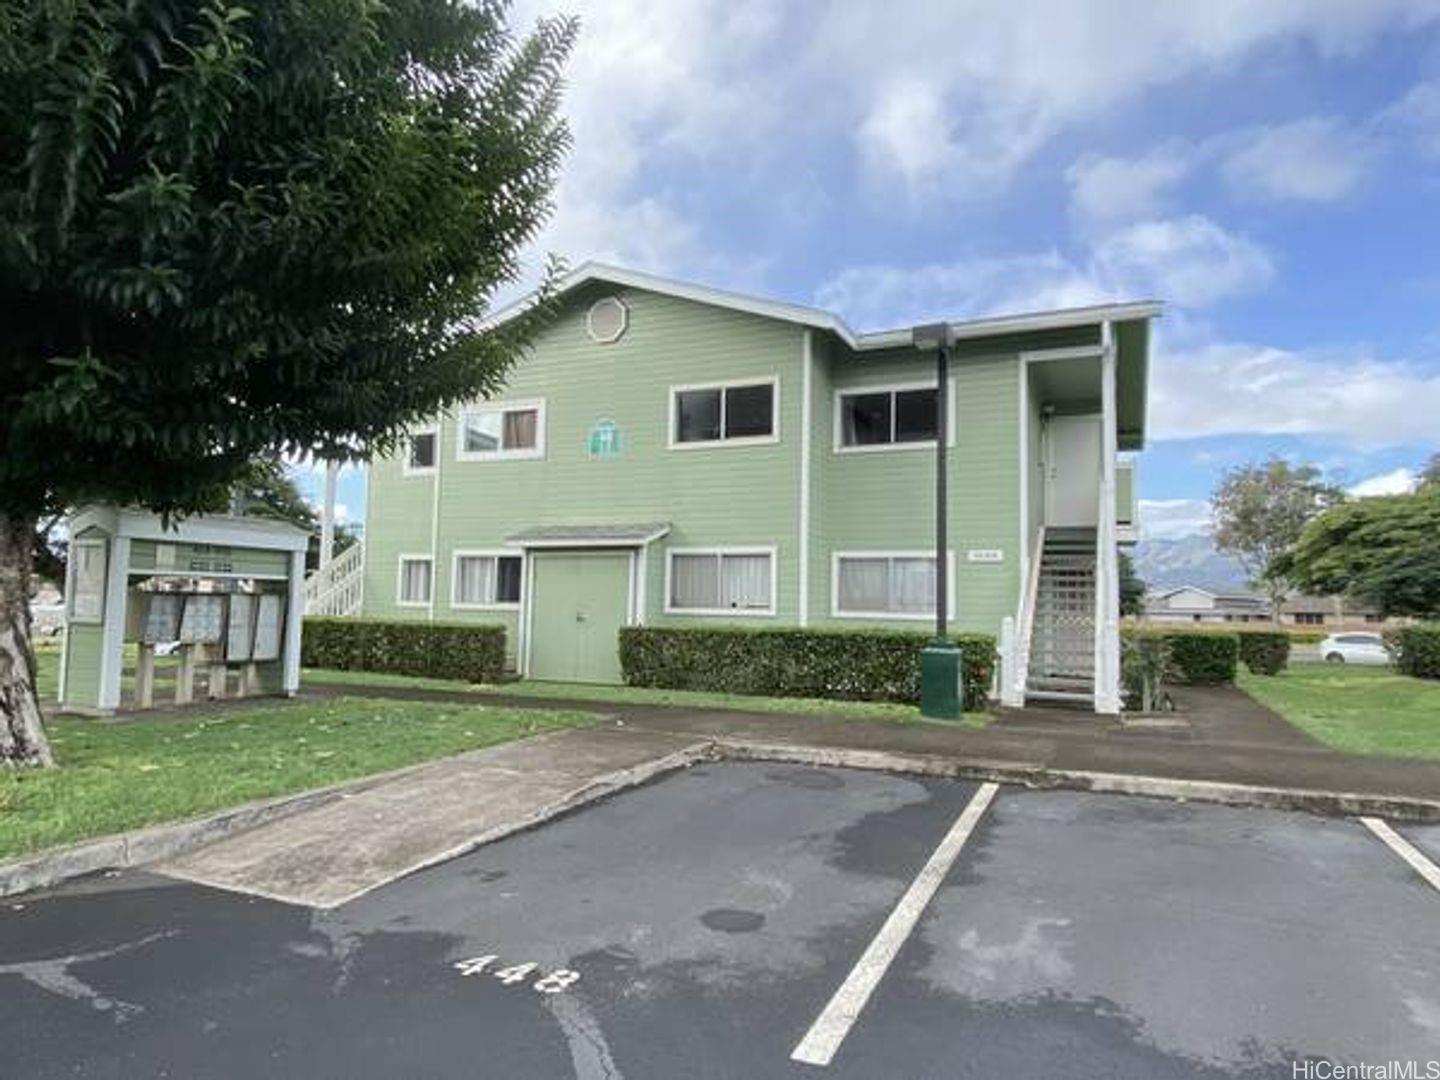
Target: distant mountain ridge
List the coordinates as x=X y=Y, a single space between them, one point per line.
x=1188 y=560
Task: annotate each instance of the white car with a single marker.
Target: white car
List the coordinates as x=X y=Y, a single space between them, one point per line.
x=1354 y=648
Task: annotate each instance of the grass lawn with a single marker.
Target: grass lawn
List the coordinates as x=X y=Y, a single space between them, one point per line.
x=120 y=775
x=635 y=695
x=1361 y=710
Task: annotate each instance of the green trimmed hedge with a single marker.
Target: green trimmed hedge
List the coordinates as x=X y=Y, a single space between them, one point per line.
x=863 y=665
x=1416 y=649
x=1265 y=652
x=1198 y=657
x=435 y=650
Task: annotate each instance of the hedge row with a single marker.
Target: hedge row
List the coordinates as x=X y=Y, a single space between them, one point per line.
x=436 y=650
x=1265 y=652
x=865 y=665
x=1416 y=649
x=1198 y=657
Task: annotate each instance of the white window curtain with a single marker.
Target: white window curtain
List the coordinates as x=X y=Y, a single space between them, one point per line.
x=745 y=582
x=912 y=586
x=886 y=585
x=415 y=581
x=475 y=579
x=695 y=581
x=864 y=584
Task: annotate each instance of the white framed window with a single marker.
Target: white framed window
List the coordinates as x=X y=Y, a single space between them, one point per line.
x=887 y=584
x=497 y=431
x=900 y=416
x=86 y=595
x=742 y=412
x=486 y=579
x=720 y=581
x=422 y=451
x=415 y=579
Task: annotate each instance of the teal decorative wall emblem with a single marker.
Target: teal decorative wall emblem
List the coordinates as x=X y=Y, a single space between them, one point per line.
x=604 y=440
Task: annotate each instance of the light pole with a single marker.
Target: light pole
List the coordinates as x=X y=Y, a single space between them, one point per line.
x=941 y=687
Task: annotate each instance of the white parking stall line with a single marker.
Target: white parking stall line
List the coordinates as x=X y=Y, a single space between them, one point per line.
x=823 y=1039
x=1406 y=850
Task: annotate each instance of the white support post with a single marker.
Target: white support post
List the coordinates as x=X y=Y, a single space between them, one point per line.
x=1107 y=568
x=215 y=684
x=185 y=676
x=294 y=613
x=145 y=676
x=327 y=514
x=112 y=636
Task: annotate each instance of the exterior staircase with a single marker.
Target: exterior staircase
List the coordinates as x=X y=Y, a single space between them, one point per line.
x=1061 y=664
x=339 y=588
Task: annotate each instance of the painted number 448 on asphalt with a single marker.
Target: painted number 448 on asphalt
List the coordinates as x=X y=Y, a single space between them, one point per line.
x=552 y=983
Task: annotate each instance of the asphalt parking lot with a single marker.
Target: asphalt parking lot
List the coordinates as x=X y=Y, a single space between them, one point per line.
x=725 y=921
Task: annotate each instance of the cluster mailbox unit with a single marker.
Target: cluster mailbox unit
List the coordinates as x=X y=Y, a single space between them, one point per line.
x=222 y=594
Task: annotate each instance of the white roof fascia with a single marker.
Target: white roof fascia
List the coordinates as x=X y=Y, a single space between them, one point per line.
x=825 y=320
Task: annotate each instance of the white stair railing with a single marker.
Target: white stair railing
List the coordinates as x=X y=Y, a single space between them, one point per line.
x=1020 y=664
x=339 y=588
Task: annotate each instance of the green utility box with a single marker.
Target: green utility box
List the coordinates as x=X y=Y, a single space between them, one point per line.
x=942 y=680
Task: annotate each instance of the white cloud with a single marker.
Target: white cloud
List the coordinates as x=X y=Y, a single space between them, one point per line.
x=1227 y=388
x=1189 y=261
x=1317 y=159
x=1416 y=116
x=986 y=87
x=1400 y=481
x=1170 y=519
x=1110 y=189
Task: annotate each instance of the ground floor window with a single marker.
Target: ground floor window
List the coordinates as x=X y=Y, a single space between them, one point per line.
x=1309 y=618
x=890 y=585
x=416 y=574
x=721 y=582
x=486 y=579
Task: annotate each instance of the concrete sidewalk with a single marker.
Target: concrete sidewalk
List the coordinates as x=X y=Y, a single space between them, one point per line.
x=324 y=856
x=1058 y=752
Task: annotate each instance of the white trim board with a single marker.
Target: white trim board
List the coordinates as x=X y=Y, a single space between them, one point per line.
x=824 y=320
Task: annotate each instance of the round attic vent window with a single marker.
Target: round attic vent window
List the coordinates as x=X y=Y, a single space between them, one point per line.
x=607 y=320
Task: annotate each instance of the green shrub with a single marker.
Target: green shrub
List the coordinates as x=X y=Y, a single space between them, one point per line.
x=1416 y=649
x=434 y=650
x=864 y=665
x=1198 y=657
x=1145 y=667
x=1265 y=652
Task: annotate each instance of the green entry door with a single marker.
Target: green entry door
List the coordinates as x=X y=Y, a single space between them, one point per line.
x=579 y=602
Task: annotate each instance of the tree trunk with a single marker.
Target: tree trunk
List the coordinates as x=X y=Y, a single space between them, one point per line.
x=22 y=735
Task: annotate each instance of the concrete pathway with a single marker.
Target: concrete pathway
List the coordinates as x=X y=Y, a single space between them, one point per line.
x=335 y=852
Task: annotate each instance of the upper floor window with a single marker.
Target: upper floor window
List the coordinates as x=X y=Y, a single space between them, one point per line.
x=501 y=430
x=886 y=417
x=735 y=413
x=421 y=451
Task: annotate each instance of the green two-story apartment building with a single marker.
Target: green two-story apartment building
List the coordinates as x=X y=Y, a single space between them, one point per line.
x=671 y=454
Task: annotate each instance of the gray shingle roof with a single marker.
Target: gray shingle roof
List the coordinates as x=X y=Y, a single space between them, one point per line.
x=621 y=535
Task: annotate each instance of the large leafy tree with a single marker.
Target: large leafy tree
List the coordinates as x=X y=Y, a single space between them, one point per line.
x=1383 y=550
x=1259 y=511
x=234 y=231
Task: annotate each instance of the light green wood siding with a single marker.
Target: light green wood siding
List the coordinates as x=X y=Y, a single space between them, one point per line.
x=723 y=496
x=884 y=500
x=82 y=665
x=206 y=558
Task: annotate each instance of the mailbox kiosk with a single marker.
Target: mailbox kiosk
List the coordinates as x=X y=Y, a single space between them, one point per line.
x=223 y=595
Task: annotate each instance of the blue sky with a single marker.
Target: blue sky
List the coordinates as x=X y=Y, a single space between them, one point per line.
x=1271 y=170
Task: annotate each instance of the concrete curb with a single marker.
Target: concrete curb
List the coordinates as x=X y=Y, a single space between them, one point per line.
x=1325 y=803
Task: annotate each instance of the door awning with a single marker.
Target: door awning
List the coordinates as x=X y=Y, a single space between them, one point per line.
x=578 y=536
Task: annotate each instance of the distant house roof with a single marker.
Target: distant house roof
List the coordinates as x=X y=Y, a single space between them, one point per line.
x=1223 y=603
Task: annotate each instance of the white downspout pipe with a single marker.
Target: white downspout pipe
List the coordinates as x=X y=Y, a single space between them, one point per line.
x=1107 y=568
